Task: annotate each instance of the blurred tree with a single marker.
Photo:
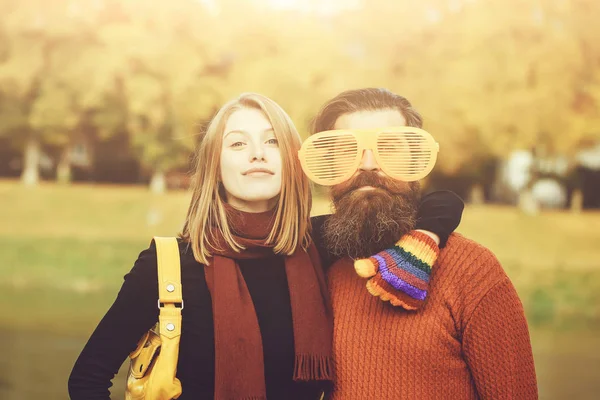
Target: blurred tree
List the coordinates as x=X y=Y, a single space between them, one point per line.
x=26 y=46
x=488 y=80
x=166 y=85
x=45 y=76
x=292 y=58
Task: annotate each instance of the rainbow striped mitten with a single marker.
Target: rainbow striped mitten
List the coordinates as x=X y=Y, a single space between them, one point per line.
x=400 y=274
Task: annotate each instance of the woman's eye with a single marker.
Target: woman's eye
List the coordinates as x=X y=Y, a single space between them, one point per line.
x=272 y=141
x=237 y=144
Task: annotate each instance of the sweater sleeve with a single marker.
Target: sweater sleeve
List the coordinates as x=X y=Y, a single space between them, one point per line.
x=133 y=312
x=497 y=347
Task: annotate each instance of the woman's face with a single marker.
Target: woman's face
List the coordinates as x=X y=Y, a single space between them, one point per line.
x=250 y=161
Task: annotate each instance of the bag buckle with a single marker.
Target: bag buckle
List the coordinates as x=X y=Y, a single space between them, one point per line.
x=159 y=304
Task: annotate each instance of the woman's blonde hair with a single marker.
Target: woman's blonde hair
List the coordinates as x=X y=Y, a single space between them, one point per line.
x=207 y=212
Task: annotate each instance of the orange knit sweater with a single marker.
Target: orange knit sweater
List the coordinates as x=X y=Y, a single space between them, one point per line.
x=469 y=340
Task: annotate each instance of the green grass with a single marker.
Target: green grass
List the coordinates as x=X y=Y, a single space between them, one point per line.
x=64 y=251
x=80 y=265
x=71 y=243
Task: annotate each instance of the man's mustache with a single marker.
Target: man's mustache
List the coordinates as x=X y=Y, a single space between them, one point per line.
x=371 y=178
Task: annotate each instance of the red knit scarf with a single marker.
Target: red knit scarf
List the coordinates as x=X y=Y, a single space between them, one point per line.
x=239 y=364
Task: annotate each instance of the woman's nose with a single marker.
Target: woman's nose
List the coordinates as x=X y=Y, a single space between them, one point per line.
x=257 y=153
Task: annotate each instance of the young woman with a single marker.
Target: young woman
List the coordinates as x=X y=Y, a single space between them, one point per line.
x=256 y=322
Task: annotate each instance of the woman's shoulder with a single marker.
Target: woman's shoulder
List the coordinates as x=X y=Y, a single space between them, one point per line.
x=188 y=261
x=145 y=267
x=146 y=264
x=185 y=249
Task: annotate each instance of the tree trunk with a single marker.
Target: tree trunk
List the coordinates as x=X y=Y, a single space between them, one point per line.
x=158 y=183
x=30 y=175
x=477 y=195
x=63 y=170
x=576 y=201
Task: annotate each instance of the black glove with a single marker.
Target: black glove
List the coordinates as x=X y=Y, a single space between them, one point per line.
x=440 y=213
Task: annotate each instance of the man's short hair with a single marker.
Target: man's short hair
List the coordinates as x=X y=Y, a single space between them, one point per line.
x=367 y=99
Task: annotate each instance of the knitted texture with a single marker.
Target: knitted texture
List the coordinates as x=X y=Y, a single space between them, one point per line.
x=400 y=274
x=469 y=340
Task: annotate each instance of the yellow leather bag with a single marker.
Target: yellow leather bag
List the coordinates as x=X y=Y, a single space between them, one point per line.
x=153 y=365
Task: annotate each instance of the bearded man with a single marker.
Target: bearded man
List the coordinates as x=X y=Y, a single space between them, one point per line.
x=411 y=320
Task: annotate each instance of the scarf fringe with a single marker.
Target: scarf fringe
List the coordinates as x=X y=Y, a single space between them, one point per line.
x=309 y=367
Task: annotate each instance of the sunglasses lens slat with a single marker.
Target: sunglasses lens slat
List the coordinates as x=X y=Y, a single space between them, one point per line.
x=329 y=158
x=404 y=155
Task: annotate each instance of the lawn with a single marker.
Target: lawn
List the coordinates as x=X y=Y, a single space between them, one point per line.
x=64 y=251
x=80 y=240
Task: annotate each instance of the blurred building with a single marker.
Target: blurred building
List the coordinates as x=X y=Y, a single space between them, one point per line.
x=549 y=181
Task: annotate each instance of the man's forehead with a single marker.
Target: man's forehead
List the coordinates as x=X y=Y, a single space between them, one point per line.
x=370 y=119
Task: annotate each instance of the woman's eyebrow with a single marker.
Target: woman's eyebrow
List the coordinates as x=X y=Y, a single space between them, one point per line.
x=243 y=132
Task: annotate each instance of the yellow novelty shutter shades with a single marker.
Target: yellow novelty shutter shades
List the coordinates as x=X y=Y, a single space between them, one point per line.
x=404 y=153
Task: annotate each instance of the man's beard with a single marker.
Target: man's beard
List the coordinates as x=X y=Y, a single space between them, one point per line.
x=369 y=221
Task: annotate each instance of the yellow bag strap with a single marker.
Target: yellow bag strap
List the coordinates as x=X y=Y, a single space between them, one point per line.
x=169 y=285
